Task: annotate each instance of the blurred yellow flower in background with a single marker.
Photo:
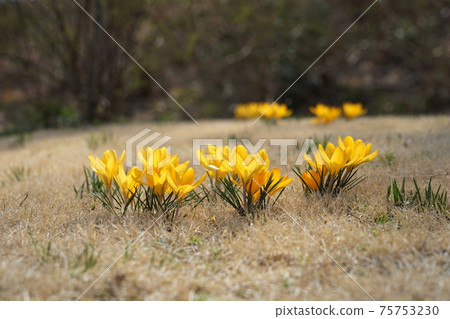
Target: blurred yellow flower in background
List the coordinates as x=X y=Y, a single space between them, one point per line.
x=274 y=111
x=352 y=110
x=247 y=111
x=277 y=111
x=324 y=113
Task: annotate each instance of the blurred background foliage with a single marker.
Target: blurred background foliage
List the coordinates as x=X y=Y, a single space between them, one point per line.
x=57 y=68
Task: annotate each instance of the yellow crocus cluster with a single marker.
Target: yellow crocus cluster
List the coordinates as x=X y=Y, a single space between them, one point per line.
x=254 y=176
x=327 y=114
x=347 y=154
x=157 y=164
x=165 y=175
x=249 y=171
x=242 y=179
x=109 y=168
x=161 y=171
x=332 y=166
x=267 y=110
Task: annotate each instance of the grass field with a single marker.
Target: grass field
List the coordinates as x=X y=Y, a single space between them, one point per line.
x=54 y=245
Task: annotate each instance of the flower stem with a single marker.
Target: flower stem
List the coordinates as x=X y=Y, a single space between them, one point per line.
x=347 y=171
x=177 y=210
x=244 y=198
x=215 y=185
x=110 y=199
x=330 y=186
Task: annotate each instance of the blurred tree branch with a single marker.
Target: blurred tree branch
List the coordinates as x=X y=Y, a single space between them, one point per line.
x=213 y=54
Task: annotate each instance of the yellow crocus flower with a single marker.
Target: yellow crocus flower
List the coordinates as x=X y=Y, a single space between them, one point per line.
x=215 y=161
x=356 y=152
x=128 y=183
x=312 y=179
x=157 y=165
x=255 y=186
x=283 y=181
x=340 y=159
x=156 y=160
x=335 y=162
x=156 y=180
x=348 y=154
x=352 y=110
x=246 y=165
x=318 y=161
x=183 y=182
x=180 y=169
x=259 y=183
x=106 y=167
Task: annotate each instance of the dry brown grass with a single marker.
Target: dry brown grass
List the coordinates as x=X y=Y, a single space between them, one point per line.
x=406 y=258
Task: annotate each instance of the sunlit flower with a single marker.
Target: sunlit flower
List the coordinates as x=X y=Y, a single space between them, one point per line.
x=157 y=165
x=278 y=182
x=269 y=181
x=246 y=165
x=157 y=181
x=356 y=152
x=333 y=157
x=312 y=179
x=316 y=162
x=324 y=113
x=183 y=182
x=168 y=181
x=106 y=167
x=352 y=110
x=128 y=183
x=156 y=160
x=255 y=185
x=332 y=167
x=215 y=161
